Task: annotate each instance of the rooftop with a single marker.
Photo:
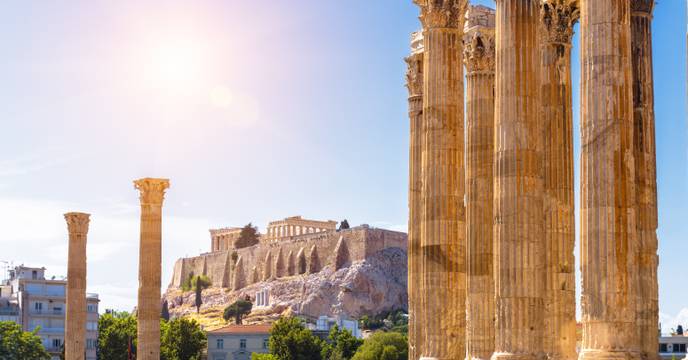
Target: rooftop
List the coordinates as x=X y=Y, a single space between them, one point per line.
x=243 y=329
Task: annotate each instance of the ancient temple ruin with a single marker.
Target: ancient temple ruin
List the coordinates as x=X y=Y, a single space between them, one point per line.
x=290 y=247
x=491 y=196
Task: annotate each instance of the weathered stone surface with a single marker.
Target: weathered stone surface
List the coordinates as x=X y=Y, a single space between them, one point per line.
x=341 y=254
x=479 y=57
x=239 y=280
x=414 y=83
x=443 y=233
x=644 y=151
x=361 y=242
x=519 y=220
x=365 y=287
x=557 y=20
x=608 y=206
x=291 y=264
x=314 y=263
x=301 y=262
x=152 y=192
x=75 y=320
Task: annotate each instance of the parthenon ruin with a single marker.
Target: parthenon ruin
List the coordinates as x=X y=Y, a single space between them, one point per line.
x=491 y=196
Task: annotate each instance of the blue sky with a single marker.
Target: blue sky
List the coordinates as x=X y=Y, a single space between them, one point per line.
x=255 y=111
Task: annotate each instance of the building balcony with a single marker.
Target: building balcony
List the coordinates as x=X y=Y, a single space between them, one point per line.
x=47 y=312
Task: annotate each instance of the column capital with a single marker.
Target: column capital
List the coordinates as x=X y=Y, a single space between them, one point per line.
x=414 y=74
x=442 y=13
x=642 y=7
x=557 y=18
x=77 y=223
x=479 y=39
x=152 y=191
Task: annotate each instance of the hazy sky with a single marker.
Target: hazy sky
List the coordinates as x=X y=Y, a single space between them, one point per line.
x=256 y=110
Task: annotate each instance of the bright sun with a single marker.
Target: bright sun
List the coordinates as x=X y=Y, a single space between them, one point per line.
x=175 y=66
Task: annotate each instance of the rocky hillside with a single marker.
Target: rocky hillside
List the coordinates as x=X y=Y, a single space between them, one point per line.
x=365 y=287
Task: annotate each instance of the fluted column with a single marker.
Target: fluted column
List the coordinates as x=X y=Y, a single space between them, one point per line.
x=414 y=83
x=519 y=220
x=443 y=230
x=152 y=193
x=557 y=20
x=75 y=321
x=608 y=219
x=479 y=57
x=644 y=150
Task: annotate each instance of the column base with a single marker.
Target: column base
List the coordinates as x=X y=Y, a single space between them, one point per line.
x=608 y=355
x=512 y=356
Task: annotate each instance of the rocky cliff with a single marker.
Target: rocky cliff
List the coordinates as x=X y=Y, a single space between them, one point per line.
x=369 y=286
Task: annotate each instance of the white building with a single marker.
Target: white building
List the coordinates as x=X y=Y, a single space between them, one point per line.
x=238 y=342
x=325 y=324
x=673 y=347
x=35 y=302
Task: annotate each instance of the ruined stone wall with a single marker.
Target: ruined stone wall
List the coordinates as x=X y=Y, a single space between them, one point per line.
x=291 y=256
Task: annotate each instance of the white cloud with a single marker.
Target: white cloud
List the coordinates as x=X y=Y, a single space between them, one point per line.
x=671 y=322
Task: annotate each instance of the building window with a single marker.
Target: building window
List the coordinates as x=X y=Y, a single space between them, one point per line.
x=242 y=344
x=265 y=343
x=38 y=306
x=92 y=308
x=91 y=343
x=34 y=275
x=92 y=326
x=220 y=344
x=663 y=348
x=675 y=347
x=57 y=343
x=681 y=348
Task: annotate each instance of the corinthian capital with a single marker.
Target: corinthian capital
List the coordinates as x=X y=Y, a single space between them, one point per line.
x=152 y=191
x=77 y=223
x=558 y=18
x=479 y=39
x=442 y=13
x=642 y=7
x=414 y=70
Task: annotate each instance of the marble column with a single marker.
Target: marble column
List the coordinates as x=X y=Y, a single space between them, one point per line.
x=443 y=230
x=479 y=57
x=644 y=150
x=152 y=193
x=75 y=321
x=608 y=211
x=519 y=185
x=414 y=83
x=557 y=20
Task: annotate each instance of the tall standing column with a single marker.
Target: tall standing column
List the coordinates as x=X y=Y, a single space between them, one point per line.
x=608 y=214
x=152 y=193
x=75 y=322
x=414 y=83
x=519 y=220
x=479 y=57
x=644 y=150
x=443 y=221
x=558 y=19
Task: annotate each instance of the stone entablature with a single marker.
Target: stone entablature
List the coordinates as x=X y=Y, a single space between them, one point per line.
x=296 y=225
x=223 y=239
x=264 y=261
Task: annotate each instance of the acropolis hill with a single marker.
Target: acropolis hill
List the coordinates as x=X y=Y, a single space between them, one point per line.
x=349 y=272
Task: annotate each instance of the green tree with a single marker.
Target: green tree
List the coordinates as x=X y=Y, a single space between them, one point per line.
x=259 y=356
x=341 y=344
x=237 y=310
x=16 y=344
x=182 y=339
x=383 y=346
x=290 y=340
x=247 y=237
x=116 y=334
x=200 y=283
x=165 y=310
